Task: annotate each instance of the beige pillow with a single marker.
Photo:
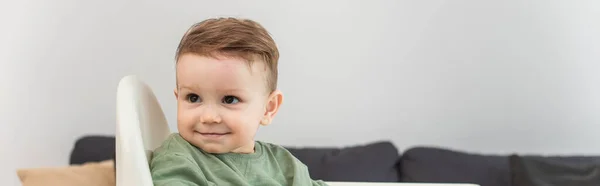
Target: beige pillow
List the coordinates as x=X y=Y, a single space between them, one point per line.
x=89 y=174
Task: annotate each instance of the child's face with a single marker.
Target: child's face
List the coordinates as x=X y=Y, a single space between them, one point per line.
x=221 y=102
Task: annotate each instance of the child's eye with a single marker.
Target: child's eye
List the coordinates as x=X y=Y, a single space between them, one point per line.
x=192 y=98
x=230 y=100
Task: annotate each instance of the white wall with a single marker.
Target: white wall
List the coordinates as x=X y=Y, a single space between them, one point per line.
x=494 y=77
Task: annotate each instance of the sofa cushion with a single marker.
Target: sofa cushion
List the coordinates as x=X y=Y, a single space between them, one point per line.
x=436 y=165
x=375 y=162
x=93 y=149
x=88 y=174
x=559 y=171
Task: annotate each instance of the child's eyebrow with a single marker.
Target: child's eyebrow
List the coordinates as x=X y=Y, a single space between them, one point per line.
x=179 y=87
x=235 y=90
x=227 y=90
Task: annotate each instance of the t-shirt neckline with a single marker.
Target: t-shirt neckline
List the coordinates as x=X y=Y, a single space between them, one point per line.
x=258 y=152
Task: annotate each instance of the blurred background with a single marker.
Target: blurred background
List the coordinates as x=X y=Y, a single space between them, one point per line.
x=480 y=76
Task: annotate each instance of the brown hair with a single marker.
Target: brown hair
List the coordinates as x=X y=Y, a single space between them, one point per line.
x=232 y=37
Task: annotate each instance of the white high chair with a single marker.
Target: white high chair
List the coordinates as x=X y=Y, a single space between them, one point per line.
x=142 y=127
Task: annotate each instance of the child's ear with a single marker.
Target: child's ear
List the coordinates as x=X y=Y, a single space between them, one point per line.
x=273 y=103
x=176 y=94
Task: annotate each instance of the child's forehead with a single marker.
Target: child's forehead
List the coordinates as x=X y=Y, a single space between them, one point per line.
x=222 y=72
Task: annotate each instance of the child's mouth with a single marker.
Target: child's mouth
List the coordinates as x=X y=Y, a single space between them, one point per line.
x=213 y=135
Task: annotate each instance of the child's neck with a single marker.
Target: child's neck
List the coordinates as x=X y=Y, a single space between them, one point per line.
x=246 y=149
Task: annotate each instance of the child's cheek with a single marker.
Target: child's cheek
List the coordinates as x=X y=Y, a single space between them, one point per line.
x=186 y=116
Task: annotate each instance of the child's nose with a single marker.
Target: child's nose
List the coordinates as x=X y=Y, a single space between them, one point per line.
x=210 y=116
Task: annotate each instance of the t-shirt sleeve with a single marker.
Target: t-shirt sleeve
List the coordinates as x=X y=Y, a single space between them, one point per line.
x=176 y=170
x=303 y=174
x=318 y=183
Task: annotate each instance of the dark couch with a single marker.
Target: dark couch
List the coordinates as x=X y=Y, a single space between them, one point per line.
x=381 y=162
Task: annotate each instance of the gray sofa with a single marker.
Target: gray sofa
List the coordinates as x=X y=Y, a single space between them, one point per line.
x=382 y=162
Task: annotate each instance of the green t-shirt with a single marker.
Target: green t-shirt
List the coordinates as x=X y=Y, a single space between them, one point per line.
x=177 y=162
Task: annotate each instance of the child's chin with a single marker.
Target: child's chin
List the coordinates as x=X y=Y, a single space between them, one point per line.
x=214 y=149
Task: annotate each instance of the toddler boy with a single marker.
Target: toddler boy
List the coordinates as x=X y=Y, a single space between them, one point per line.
x=226 y=74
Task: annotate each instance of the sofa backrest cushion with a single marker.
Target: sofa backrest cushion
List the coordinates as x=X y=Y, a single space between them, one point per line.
x=436 y=165
x=93 y=149
x=374 y=162
x=541 y=171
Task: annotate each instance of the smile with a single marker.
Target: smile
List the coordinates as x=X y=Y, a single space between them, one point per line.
x=213 y=135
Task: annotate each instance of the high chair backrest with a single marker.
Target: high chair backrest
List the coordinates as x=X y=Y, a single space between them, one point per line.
x=141 y=128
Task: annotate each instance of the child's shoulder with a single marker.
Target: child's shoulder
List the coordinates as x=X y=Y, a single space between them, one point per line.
x=271 y=146
x=274 y=149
